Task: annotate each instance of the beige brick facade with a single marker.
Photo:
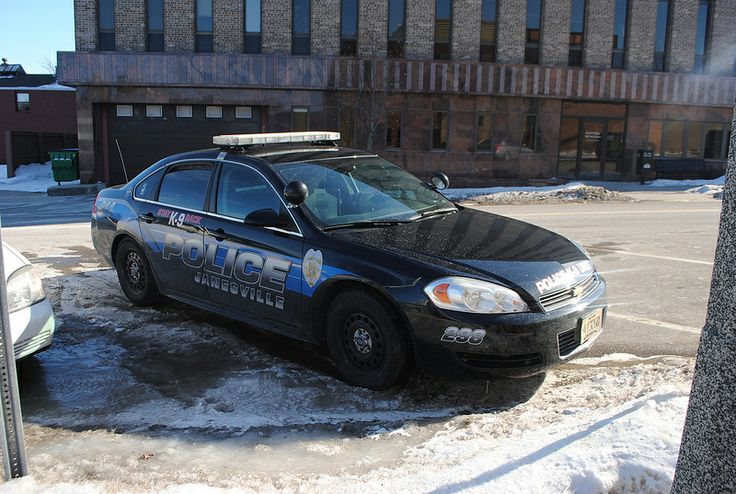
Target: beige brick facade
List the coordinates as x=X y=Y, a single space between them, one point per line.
x=85 y=25
x=227 y=26
x=130 y=25
x=556 y=32
x=276 y=26
x=466 y=30
x=599 y=18
x=681 y=55
x=511 y=31
x=642 y=19
x=373 y=23
x=722 y=48
x=325 y=27
x=420 y=29
x=179 y=25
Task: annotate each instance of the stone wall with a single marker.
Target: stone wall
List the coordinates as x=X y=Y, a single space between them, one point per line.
x=227 y=26
x=373 y=25
x=511 y=31
x=85 y=25
x=420 y=29
x=556 y=32
x=326 y=27
x=722 y=48
x=642 y=19
x=179 y=25
x=276 y=35
x=681 y=54
x=130 y=25
x=599 y=18
x=466 y=30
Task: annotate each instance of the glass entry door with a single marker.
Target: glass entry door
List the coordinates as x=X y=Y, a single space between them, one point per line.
x=591 y=148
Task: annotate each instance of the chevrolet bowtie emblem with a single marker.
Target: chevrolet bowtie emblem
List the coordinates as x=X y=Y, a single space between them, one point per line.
x=577 y=291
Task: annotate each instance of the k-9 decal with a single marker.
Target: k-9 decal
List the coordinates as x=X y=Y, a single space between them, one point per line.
x=179 y=219
x=463 y=335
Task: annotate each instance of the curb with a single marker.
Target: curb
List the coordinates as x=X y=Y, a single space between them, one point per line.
x=75 y=190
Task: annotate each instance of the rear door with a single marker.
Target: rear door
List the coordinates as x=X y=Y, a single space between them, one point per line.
x=254 y=271
x=172 y=226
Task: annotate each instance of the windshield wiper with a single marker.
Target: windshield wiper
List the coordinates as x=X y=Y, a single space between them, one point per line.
x=435 y=212
x=365 y=224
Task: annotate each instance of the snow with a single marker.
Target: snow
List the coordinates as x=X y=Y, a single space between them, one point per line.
x=466 y=193
x=687 y=183
x=35 y=177
x=45 y=87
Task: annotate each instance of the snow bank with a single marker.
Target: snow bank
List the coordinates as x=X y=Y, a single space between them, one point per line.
x=687 y=183
x=35 y=177
x=573 y=192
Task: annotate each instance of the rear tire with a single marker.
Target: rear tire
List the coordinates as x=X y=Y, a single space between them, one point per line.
x=366 y=341
x=135 y=274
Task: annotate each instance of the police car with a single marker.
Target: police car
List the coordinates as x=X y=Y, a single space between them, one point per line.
x=292 y=234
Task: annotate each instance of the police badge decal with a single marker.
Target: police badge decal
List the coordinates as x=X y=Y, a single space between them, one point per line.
x=312 y=267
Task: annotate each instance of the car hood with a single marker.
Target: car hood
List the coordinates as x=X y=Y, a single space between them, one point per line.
x=476 y=242
x=12 y=260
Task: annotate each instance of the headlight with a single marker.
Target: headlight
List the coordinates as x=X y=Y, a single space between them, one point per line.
x=24 y=289
x=468 y=295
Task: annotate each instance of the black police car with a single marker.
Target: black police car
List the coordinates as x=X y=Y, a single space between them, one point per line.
x=293 y=234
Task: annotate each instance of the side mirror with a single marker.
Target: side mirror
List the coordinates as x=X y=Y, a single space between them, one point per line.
x=266 y=217
x=296 y=192
x=440 y=181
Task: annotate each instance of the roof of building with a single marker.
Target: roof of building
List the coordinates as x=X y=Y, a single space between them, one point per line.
x=12 y=69
x=27 y=80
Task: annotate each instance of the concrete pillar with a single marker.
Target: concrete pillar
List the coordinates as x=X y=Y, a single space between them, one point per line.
x=179 y=25
x=599 y=18
x=9 y=154
x=326 y=27
x=681 y=55
x=466 y=30
x=707 y=461
x=722 y=49
x=85 y=139
x=642 y=19
x=420 y=29
x=511 y=31
x=373 y=28
x=276 y=36
x=227 y=26
x=130 y=25
x=85 y=25
x=556 y=32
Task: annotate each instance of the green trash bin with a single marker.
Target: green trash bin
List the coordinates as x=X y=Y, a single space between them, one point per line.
x=65 y=164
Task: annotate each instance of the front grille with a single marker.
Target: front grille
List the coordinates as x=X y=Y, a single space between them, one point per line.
x=32 y=344
x=567 y=342
x=483 y=361
x=568 y=296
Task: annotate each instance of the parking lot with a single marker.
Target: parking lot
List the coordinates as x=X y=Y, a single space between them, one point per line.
x=144 y=380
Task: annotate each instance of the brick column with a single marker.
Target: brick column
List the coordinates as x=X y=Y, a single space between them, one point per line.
x=556 y=32
x=373 y=28
x=599 y=19
x=227 y=26
x=85 y=138
x=179 y=25
x=722 y=49
x=642 y=20
x=466 y=30
x=511 y=31
x=420 y=29
x=85 y=25
x=326 y=27
x=681 y=56
x=276 y=36
x=130 y=25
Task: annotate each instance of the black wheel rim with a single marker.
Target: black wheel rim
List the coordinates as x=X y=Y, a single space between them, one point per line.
x=135 y=272
x=363 y=342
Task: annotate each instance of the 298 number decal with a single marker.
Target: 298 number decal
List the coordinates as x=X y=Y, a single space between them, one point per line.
x=463 y=335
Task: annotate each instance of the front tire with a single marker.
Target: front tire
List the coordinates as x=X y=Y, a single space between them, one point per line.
x=135 y=274
x=366 y=341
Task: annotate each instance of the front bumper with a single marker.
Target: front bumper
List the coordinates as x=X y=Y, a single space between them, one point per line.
x=32 y=329
x=515 y=345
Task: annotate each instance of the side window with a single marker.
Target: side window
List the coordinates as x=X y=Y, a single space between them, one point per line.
x=242 y=190
x=185 y=185
x=147 y=187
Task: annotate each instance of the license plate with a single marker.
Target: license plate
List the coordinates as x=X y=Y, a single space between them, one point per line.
x=591 y=325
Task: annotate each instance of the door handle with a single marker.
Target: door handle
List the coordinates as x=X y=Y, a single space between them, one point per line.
x=218 y=234
x=147 y=217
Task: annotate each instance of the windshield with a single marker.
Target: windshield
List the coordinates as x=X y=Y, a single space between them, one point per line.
x=363 y=189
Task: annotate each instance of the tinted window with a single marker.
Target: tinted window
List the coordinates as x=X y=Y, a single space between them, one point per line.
x=396 y=28
x=439 y=130
x=301 y=27
x=442 y=29
x=185 y=186
x=252 y=26
x=243 y=190
x=488 y=31
x=147 y=187
x=619 y=34
x=533 y=31
x=155 y=19
x=349 y=28
x=106 y=25
x=661 y=35
x=702 y=35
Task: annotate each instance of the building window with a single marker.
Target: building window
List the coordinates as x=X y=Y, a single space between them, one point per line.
x=484 y=132
x=155 y=25
x=533 y=31
x=22 y=101
x=488 y=31
x=349 y=28
x=673 y=139
x=529 y=139
x=662 y=35
x=183 y=111
x=106 y=25
x=243 y=112
x=213 y=112
x=252 y=26
x=124 y=110
x=154 y=111
x=396 y=28
x=439 y=130
x=393 y=129
x=620 y=23
x=577 y=34
x=347 y=127
x=203 y=36
x=301 y=27
x=702 y=36
x=442 y=29
x=713 y=145
x=299 y=118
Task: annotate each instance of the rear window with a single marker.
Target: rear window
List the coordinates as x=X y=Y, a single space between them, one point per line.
x=185 y=186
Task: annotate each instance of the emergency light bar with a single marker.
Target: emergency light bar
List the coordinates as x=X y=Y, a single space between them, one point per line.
x=274 y=138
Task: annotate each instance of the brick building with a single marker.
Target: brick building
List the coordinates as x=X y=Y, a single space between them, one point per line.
x=486 y=90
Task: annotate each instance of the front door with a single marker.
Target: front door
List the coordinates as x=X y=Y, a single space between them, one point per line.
x=600 y=149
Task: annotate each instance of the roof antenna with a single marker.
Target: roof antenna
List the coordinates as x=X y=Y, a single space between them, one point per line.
x=122 y=161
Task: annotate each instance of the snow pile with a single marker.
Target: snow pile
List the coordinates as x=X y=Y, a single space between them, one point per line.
x=574 y=192
x=35 y=177
x=687 y=183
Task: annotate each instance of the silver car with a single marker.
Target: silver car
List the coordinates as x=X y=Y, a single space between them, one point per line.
x=31 y=315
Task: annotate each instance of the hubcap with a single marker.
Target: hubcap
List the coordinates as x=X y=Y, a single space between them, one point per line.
x=134 y=271
x=362 y=341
